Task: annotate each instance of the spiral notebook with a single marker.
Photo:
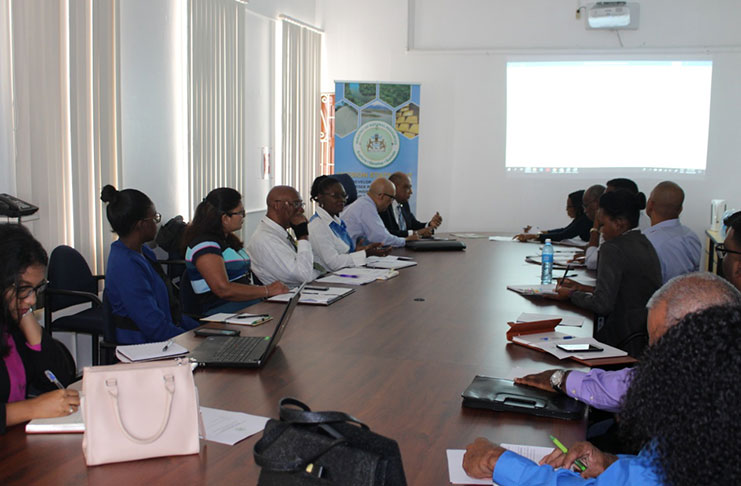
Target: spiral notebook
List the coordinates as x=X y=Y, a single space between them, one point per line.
x=149 y=351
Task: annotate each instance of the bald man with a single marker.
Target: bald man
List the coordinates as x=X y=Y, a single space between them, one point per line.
x=277 y=254
x=678 y=247
x=363 y=220
x=398 y=217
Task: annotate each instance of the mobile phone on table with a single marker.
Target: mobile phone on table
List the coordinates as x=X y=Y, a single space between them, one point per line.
x=579 y=348
x=210 y=331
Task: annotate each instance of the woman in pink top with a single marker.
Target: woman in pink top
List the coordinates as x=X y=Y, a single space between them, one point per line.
x=25 y=349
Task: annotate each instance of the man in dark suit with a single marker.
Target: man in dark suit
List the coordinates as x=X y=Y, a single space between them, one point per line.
x=398 y=218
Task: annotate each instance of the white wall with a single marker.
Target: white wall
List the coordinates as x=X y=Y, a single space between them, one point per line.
x=459 y=57
x=7 y=175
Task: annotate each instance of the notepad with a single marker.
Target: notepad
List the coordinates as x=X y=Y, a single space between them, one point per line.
x=357 y=276
x=70 y=424
x=455 y=462
x=549 y=289
x=242 y=318
x=315 y=296
x=149 y=351
x=389 y=261
x=573 y=321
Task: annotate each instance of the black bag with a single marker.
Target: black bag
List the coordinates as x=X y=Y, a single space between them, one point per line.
x=325 y=448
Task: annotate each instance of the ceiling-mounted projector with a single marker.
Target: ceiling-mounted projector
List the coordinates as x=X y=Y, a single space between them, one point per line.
x=612 y=15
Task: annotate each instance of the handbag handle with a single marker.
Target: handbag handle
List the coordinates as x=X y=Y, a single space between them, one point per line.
x=306 y=416
x=112 y=387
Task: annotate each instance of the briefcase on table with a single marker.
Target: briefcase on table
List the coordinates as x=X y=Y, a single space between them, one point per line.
x=504 y=396
x=139 y=410
x=306 y=448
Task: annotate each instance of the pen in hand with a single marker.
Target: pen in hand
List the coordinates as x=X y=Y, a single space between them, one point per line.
x=167 y=345
x=52 y=378
x=565 y=274
x=563 y=449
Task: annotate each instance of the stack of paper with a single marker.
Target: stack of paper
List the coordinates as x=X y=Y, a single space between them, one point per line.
x=549 y=341
x=357 y=276
x=392 y=262
x=242 y=318
x=315 y=295
x=149 y=351
x=455 y=462
x=549 y=289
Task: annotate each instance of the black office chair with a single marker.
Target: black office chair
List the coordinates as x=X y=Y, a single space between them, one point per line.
x=71 y=283
x=109 y=342
x=348 y=184
x=188 y=298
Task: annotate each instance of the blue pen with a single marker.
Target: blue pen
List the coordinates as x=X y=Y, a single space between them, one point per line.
x=346 y=275
x=52 y=378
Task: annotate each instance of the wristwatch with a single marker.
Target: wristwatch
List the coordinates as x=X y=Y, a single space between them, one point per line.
x=557 y=379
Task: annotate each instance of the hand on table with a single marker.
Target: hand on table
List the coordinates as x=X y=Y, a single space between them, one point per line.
x=57 y=403
x=594 y=459
x=540 y=380
x=425 y=232
x=480 y=458
x=525 y=237
x=412 y=237
x=375 y=249
x=277 y=288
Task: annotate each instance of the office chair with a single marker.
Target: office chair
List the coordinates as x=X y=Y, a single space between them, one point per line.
x=71 y=283
x=109 y=342
x=349 y=185
x=188 y=298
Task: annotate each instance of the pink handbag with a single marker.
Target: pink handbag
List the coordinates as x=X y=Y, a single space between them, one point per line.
x=139 y=410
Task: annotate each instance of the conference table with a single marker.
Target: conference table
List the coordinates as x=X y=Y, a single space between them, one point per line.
x=396 y=354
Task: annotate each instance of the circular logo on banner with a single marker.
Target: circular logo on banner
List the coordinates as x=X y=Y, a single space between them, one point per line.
x=376 y=144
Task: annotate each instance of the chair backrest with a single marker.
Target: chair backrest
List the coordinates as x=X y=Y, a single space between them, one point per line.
x=188 y=298
x=109 y=328
x=348 y=184
x=68 y=270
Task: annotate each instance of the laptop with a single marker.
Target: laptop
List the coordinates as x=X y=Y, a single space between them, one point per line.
x=243 y=352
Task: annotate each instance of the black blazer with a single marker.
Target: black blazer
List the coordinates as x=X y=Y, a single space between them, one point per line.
x=51 y=357
x=390 y=221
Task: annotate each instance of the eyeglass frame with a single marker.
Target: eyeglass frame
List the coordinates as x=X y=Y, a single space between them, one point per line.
x=722 y=251
x=157 y=218
x=24 y=291
x=242 y=213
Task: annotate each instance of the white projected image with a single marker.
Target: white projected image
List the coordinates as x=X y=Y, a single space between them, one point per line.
x=571 y=116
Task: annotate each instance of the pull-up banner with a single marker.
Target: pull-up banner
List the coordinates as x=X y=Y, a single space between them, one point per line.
x=376 y=131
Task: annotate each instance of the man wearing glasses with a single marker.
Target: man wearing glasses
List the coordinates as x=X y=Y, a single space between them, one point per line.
x=730 y=251
x=277 y=254
x=398 y=217
x=363 y=220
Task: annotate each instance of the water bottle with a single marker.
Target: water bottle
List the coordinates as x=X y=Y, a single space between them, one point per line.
x=546 y=268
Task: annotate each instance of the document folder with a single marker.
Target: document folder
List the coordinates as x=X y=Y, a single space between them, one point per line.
x=504 y=396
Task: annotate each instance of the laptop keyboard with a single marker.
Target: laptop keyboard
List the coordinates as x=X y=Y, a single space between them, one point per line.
x=237 y=350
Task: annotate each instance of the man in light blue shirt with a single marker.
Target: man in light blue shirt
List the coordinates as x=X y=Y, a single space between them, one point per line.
x=678 y=247
x=363 y=220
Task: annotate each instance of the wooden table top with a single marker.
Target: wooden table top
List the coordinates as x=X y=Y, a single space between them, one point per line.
x=395 y=354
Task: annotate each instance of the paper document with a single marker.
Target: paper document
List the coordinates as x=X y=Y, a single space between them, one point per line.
x=502 y=238
x=468 y=235
x=149 y=351
x=389 y=261
x=455 y=462
x=70 y=424
x=357 y=276
x=559 y=261
x=229 y=428
x=315 y=295
x=585 y=280
x=574 y=321
x=549 y=289
x=241 y=318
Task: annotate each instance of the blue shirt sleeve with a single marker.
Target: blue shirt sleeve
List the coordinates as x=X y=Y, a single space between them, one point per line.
x=512 y=469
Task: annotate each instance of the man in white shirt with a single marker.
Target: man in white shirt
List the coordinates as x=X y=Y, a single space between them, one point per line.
x=678 y=247
x=277 y=254
x=362 y=217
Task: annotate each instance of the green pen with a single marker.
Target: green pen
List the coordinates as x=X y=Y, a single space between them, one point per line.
x=563 y=449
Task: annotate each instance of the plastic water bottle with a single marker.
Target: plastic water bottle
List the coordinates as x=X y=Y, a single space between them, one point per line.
x=546 y=268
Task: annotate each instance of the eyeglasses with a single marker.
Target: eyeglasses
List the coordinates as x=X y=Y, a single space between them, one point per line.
x=722 y=251
x=336 y=195
x=242 y=213
x=296 y=204
x=25 y=291
x=156 y=218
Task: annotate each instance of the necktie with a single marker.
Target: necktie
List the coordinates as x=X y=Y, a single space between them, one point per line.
x=402 y=221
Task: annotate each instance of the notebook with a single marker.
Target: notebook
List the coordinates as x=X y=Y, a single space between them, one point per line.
x=316 y=295
x=149 y=351
x=243 y=352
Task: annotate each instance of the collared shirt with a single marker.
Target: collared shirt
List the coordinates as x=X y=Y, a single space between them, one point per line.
x=512 y=469
x=274 y=257
x=363 y=221
x=599 y=388
x=331 y=251
x=678 y=247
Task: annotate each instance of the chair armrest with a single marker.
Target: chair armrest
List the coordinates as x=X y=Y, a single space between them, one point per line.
x=94 y=299
x=99 y=277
